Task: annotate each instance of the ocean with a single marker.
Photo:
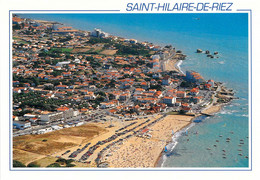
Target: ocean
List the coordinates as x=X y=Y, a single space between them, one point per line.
x=225 y=33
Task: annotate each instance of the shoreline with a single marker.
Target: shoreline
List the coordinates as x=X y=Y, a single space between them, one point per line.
x=158 y=163
x=174 y=64
x=213 y=110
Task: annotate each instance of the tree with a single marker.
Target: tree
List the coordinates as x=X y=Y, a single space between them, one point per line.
x=18 y=164
x=101 y=93
x=54 y=165
x=70 y=165
x=32 y=164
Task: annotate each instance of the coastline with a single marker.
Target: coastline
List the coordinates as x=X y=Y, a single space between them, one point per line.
x=174 y=64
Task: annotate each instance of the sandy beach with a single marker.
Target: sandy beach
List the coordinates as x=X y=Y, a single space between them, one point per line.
x=213 y=109
x=170 y=65
x=143 y=152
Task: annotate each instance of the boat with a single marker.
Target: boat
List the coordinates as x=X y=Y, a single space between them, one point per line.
x=246 y=157
x=239 y=149
x=217 y=140
x=208 y=149
x=215 y=145
x=220 y=135
x=224 y=157
x=240 y=154
x=224 y=150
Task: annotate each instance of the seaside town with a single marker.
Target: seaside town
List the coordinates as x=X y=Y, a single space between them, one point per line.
x=92 y=99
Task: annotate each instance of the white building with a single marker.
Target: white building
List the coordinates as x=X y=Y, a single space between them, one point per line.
x=155 y=57
x=169 y=100
x=51 y=117
x=62 y=63
x=99 y=33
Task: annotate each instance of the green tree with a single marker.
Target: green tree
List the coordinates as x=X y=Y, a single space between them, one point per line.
x=18 y=164
x=32 y=164
x=54 y=165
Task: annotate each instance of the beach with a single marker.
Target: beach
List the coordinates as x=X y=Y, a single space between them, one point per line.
x=142 y=152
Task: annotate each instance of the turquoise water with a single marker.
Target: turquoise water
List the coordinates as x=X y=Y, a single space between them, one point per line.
x=225 y=33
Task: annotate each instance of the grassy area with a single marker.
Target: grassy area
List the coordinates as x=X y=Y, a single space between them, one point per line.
x=62 y=50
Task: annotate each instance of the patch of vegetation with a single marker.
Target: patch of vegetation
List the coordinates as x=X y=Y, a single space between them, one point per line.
x=18 y=164
x=32 y=165
x=54 y=165
x=95 y=40
x=132 y=49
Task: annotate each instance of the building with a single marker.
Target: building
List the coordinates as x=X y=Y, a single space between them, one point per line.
x=166 y=80
x=211 y=82
x=99 y=33
x=194 y=91
x=181 y=94
x=169 y=100
x=67 y=112
x=195 y=77
x=63 y=63
x=21 y=124
x=50 y=117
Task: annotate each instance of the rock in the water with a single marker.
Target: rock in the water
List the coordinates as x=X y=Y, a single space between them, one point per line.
x=199 y=51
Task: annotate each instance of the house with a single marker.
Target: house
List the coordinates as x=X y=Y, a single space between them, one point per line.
x=145 y=85
x=67 y=112
x=207 y=86
x=62 y=87
x=166 y=80
x=169 y=100
x=49 y=117
x=66 y=74
x=194 y=91
x=63 y=63
x=21 y=124
x=107 y=66
x=124 y=97
x=195 y=77
x=181 y=94
x=197 y=99
x=105 y=105
x=211 y=82
x=139 y=90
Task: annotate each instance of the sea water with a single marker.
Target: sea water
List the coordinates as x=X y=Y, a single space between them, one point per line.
x=225 y=33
